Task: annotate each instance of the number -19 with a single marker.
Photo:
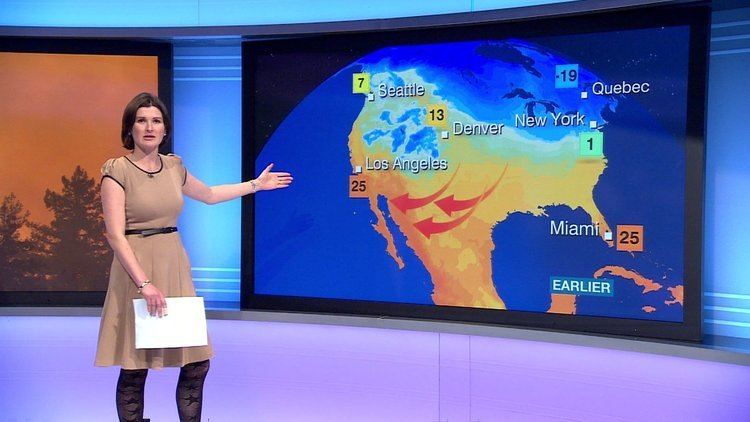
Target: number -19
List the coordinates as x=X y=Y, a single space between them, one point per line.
x=569 y=75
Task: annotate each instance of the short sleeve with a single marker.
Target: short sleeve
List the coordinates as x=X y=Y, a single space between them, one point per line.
x=112 y=170
x=180 y=167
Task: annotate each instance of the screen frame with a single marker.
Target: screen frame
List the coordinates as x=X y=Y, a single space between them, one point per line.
x=89 y=46
x=696 y=16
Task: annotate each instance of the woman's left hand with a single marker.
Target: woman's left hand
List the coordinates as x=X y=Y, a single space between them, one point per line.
x=269 y=180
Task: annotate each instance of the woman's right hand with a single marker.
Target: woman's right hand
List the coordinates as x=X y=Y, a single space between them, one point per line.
x=157 y=305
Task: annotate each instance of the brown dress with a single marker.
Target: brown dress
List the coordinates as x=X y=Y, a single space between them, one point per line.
x=152 y=200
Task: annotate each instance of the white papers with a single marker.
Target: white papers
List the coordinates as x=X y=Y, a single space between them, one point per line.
x=183 y=326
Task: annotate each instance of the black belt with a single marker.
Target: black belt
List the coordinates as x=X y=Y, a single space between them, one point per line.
x=151 y=232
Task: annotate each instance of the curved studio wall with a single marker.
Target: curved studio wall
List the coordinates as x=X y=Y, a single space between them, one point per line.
x=207 y=106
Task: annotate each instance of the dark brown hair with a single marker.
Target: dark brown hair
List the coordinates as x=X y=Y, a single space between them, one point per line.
x=144 y=99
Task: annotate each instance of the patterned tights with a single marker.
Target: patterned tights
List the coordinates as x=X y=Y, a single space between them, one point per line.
x=190 y=391
x=131 y=383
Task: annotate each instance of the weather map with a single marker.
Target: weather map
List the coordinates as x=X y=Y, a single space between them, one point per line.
x=542 y=175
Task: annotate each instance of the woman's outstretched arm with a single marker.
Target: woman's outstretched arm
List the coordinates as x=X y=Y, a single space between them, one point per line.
x=267 y=180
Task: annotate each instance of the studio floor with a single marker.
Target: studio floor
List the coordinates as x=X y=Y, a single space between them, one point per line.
x=309 y=369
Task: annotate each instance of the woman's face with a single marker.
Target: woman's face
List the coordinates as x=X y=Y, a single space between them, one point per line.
x=148 y=129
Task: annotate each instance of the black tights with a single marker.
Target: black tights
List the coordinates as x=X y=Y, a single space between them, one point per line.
x=129 y=395
x=190 y=391
x=131 y=383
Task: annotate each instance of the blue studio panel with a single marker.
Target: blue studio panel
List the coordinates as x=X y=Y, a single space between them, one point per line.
x=208 y=136
x=726 y=290
x=173 y=13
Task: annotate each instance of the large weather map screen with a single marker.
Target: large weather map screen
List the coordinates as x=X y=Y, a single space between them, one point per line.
x=540 y=174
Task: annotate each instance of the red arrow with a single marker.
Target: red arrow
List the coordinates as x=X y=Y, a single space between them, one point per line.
x=405 y=203
x=429 y=227
x=449 y=204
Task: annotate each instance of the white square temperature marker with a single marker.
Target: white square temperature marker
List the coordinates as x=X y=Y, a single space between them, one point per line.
x=584 y=95
x=593 y=124
x=444 y=134
x=357 y=169
x=608 y=235
x=371 y=97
